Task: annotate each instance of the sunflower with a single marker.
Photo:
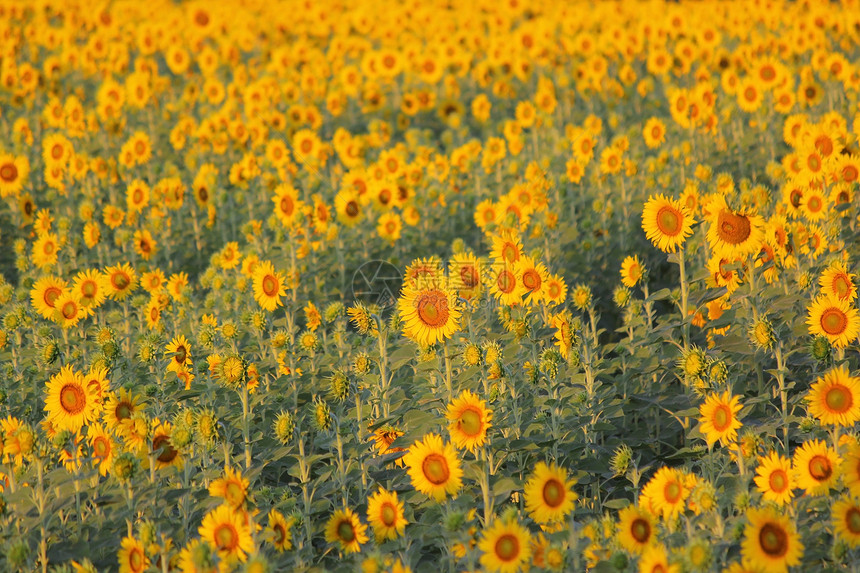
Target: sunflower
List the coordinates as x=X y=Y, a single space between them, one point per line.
x=632 y=271
x=92 y=288
x=430 y=314
x=733 y=234
x=505 y=547
x=654 y=133
x=850 y=469
x=636 y=529
x=388 y=226
x=506 y=284
x=268 y=286
x=228 y=532
x=554 y=290
x=345 y=529
x=118 y=410
x=719 y=418
x=45 y=250
x=122 y=280
x=144 y=244
x=434 y=467
x=835 y=319
x=347 y=205
x=836 y=281
x=423 y=273
x=137 y=196
x=287 y=204
x=655 y=559
x=179 y=352
x=132 y=558
x=549 y=494
x=771 y=542
x=385 y=514
x=103 y=446
x=279 y=530
x=468 y=420
x=44 y=295
x=465 y=272
x=774 y=478
x=666 y=223
x=162 y=447
x=233 y=488
x=666 y=492
x=816 y=467
x=835 y=398
x=507 y=247
x=532 y=275
x=70 y=404
x=846 y=520
x=14 y=172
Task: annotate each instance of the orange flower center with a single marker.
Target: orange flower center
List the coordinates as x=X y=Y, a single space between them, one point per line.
x=553 y=493
x=722 y=418
x=507 y=548
x=470 y=422
x=9 y=172
x=162 y=443
x=435 y=469
x=820 y=468
x=672 y=492
x=640 y=529
x=852 y=520
x=388 y=514
x=838 y=399
x=778 y=481
x=433 y=308
x=270 y=285
x=669 y=220
x=773 y=540
x=226 y=537
x=531 y=279
x=833 y=321
x=72 y=399
x=732 y=227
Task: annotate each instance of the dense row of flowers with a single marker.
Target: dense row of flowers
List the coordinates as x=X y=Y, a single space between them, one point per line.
x=621 y=332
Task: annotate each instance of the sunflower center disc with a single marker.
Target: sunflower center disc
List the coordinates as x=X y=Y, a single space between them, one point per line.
x=435 y=469
x=507 y=548
x=773 y=540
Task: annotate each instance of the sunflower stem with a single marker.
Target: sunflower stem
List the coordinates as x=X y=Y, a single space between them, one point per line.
x=783 y=394
x=684 y=288
x=448 y=373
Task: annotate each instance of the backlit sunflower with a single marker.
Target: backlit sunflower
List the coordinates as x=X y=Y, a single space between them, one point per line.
x=506 y=284
x=14 y=172
x=232 y=487
x=666 y=492
x=287 y=204
x=666 y=223
x=507 y=247
x=70 y=404
x=636 y=529
x=122 y=280
x=505 y=547
x=835 y=398
x=268 y=286
x=103 y=447
x=846 y=520
x=118 y=410
x=430 y=314
x=469 y=418
x=385 y=514
x=179 y=352
x=131 y=556
x=835 y=319
x=774 y=478
x=465 y=272
x=44 y=295
x=165 y=453
x=815 y=467
x=771 y=542
x=345 y=529
x=836 y=281
x=434 y=467
x=655 y=559
x=719 y=418
x=532 y=274
x=92 y=288
x=631 y=271
x=549 y=494
x=280 y=530
x=733 y=234
x=554 y=290
x=228 y=532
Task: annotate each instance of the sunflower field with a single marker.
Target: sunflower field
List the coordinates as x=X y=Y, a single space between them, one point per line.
x=429 y=286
